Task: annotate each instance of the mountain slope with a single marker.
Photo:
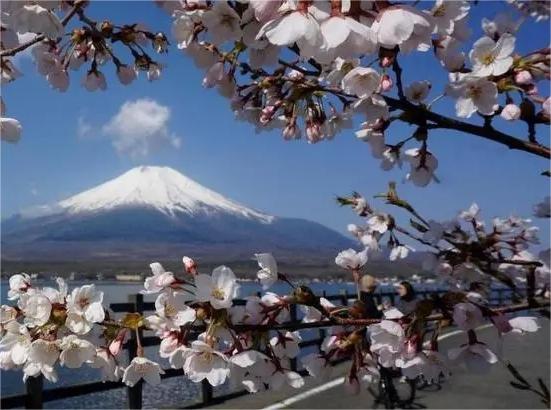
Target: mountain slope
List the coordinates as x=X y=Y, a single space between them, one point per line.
x=152 y=210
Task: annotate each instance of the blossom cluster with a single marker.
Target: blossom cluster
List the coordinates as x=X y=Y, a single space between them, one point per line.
x=461 y=250
x=204 y=332
x=92 y=45
x=307 y=68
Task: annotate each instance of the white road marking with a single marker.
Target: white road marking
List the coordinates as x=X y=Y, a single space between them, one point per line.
x=340 y=380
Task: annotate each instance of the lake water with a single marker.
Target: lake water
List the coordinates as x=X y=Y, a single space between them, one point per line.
x=173 y=392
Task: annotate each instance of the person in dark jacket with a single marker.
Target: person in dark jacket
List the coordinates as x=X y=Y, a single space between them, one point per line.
x=368 y=286
x=408 y=298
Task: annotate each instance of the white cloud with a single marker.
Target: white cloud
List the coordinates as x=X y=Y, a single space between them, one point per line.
x=139 y=127
x=84 y=128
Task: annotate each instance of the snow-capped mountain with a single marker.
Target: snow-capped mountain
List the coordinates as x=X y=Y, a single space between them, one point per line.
x=156 y=211
x=161 y=188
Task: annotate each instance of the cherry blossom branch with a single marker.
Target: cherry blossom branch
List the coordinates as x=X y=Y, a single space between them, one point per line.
x=542 y=303
x=13 y=51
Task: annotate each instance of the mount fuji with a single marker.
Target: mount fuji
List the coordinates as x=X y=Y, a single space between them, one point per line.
x=154 y=212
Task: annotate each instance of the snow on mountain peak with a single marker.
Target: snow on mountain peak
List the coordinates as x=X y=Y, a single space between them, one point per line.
x=161 y=188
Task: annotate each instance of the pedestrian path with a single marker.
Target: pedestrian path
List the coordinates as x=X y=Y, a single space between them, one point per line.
x=528 y=353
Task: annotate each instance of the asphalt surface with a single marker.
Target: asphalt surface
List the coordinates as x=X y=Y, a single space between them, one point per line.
x=528 y=353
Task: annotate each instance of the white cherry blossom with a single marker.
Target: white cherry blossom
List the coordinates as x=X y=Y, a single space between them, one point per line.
x=105 y=361
x=351 y=259
x=171 y=306
x=361 y=81
x=10 y=129
x=36 y=308
x=417 y=91
x=203 y=362
x=159 y=281
x=428 y=364
x=84 y=308
x=219 y=289
x=222 y=22
x=142 y=368
x=94 y=80
x=492 y=58
x=268 y=273
x=422 y=166
x=286 y=345
x=43 y=355
x=19 y=284
x=36 y=19
x=399 y=252
x=446 y=13
x=75 y=352
x=472 y=95
x=510 y=112
x=16 y=342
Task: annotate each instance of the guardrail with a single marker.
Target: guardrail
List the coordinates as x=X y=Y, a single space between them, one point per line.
x=35 y=395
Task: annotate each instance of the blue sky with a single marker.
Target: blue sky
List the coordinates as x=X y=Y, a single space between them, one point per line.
x=296 y=179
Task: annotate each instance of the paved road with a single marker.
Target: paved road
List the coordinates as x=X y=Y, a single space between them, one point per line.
x=464 y=390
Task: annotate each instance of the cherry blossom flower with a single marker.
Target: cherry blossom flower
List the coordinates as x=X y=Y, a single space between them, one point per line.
x=492 y=58
x=94 y=80
x=317 y=365
x=171 y=306
x=222 y=23
x=268 y=273
x=399 y=252
x=10 y=129
x=446 y=13
x=142 y=368
x=75 y=352
x=182 y=29
x=36 y=307
x=524 y=324
x=84 y=307
x=417 y=91
x=154 y=72
x=219 y=289
x=472 y=95
x=43 y=355
x=286 y=346
x=379 y=222
x=214 y=75
x=361 y=81
x=19 y=284
x=467 y=316
x=159 y=281
x=190 y=265
x=264 y=10
x=105 y=361
x=203 y=362
x=477 y=357
x=291 y=27
x=470 y=214
x=510 y=112
x=126 y=74
x=428 y=364
x=503 y=23
x=281 y=377
x=404 y=26
x=422 y=166
x=36 y=19
x=16 y=342
x=351 y=259
x=387 y=339
x=311 y=314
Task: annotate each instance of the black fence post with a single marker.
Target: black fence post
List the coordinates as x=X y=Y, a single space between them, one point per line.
x=294 y=318
x=206 y=391
x=33 y=399
x=134 y=393
x=344 y=297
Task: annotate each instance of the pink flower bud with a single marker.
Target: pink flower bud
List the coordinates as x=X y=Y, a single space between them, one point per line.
x=116 y=345
x=510 y=112
x=523 y=77
x=501 y=322
x=386 y=83
x=190 y=265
